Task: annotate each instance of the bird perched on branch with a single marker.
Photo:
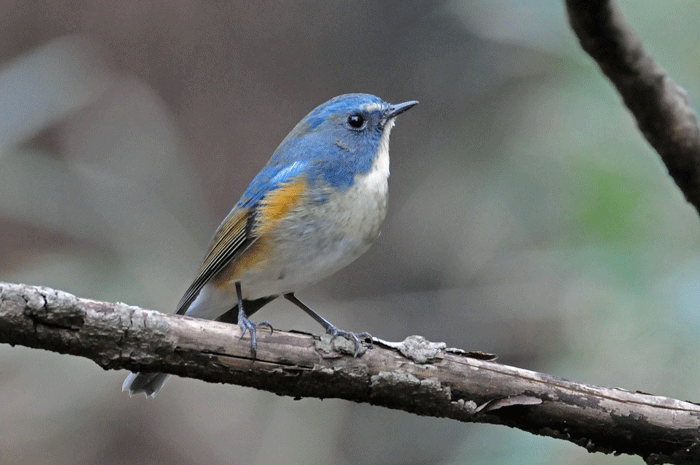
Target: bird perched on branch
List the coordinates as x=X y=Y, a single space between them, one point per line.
x=314 y=208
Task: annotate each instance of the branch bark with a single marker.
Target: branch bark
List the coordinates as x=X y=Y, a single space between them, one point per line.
x=415 y=375
x=659 y=105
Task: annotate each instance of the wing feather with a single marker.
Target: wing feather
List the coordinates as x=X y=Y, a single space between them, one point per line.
x=231 y=239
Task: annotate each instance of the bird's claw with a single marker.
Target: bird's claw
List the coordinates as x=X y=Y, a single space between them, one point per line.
x=354 y=337
x=247 y=325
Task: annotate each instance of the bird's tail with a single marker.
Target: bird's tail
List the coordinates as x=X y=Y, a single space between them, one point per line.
x=148 y=383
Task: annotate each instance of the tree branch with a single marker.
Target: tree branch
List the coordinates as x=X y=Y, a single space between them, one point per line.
x=415 y=375
x=659 y=105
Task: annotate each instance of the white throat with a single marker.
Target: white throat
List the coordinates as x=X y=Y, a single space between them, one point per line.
x=380 y=168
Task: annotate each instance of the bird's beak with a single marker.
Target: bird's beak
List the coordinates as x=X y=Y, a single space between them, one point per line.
x=395 y=110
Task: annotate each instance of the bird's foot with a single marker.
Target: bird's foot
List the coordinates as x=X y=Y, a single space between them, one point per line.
x=249 y=326
x=353 y=337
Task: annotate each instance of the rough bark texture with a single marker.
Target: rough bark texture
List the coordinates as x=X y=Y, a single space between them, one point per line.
x=659 y=105
x=415 y=375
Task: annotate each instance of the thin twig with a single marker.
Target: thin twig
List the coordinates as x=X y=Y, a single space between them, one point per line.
x=659 y=105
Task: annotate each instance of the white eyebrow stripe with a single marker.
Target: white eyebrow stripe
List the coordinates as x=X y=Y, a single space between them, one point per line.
x=370 y=107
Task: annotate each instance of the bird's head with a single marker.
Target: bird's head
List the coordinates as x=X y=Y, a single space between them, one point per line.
x=342 y=137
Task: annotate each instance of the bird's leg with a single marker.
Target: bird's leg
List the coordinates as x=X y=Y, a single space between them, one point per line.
x=246 y=324
x=328 y=326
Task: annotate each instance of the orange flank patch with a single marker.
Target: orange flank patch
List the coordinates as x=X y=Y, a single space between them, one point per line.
x=226 y=246
x=277 y=204
x=254 y=256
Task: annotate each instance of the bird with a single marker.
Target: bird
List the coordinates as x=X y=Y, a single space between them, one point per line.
x=316 y=206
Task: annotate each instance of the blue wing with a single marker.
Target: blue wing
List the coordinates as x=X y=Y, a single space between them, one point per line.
x=273 y=176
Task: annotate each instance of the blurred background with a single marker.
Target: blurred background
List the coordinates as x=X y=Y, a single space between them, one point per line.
x=528 y=217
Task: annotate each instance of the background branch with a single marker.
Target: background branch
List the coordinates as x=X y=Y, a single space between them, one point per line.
x=659 y=105
x=415 y=375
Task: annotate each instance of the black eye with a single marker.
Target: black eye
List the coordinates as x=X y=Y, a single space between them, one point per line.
x=356 y=121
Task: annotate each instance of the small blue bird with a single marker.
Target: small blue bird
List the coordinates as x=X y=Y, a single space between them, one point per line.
x=314 y=208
